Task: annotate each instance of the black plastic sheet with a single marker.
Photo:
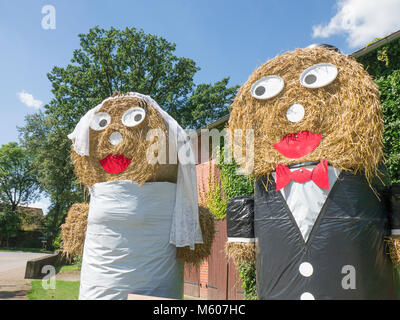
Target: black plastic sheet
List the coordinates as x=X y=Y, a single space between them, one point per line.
x=345 y=254
x=240 y=217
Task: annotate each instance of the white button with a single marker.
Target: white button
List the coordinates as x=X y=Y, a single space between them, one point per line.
x=307 y=296
x=115 y=138
x=306 y=269
x=295 y=113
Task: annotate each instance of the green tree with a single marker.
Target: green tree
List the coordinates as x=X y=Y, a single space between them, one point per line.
x=208 y=103
x=10 y=224
x=45 y=140
x=18 y=186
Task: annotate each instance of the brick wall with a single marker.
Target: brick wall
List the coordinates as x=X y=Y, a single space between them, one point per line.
x=203 y=280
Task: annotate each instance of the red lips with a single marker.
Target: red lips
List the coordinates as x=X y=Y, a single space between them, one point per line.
x=115 y=163
x=297 y=145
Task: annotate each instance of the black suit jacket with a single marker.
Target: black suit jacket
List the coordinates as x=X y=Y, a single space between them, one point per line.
x=346 y=246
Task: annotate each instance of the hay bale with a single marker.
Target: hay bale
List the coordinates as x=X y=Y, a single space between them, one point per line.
x=240 y=252
x=202 y=250
x=133 y=146
x=394 y=250
x=73 y=231
x=346 y=112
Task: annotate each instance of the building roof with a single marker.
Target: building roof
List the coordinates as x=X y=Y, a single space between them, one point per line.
x=33 y=218
x=375 y=45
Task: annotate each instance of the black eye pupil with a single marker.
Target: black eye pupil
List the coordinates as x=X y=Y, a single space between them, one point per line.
x=103 y=123
x=138 y=117
x=260 y=90
x=310 y=79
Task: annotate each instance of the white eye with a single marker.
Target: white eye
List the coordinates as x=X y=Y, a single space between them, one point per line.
x=318 y=75
x=100 y=121
x=267 y=87
x=133 y=117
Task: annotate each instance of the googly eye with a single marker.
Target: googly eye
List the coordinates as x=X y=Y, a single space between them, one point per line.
x=267 y=87
x=318 y=75
x=133 y=117
x=100 y=121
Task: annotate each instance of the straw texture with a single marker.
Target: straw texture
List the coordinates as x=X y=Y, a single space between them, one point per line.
x=241 y=252
x=346 y=112
x=73 y=231
x=203 y=250
x=134 y=146
x=394 y=250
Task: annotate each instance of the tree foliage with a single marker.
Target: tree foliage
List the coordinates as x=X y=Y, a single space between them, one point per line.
x=10 y=224
x=208 y=103
x=45 y=140
x=18 y=184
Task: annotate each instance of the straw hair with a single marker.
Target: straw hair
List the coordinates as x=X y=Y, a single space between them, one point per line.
x=346 y=112
x=241 y=252
x=394 y=250
x=134 y=146
x=202 y=250
x=73 y=231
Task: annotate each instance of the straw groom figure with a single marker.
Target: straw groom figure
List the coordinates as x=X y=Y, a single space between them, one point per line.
x=320 y=219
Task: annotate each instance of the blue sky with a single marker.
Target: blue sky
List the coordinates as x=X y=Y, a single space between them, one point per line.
x=224 y=38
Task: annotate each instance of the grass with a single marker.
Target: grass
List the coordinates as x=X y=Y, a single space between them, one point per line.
x=65 y=290
x=69 y=268
x=32 y=250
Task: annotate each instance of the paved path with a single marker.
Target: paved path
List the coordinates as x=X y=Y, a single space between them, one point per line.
x=13 y=286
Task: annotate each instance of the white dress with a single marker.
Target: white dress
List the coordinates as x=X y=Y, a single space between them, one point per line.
x=127 y=247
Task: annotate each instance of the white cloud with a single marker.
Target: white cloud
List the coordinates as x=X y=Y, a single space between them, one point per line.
x=28 y=99
x=362 y=21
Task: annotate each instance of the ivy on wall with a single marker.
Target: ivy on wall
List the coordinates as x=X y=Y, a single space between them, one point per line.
x=227 y=186
x=383 y=65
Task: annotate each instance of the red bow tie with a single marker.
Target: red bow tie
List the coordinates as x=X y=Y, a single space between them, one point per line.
x=319 y=175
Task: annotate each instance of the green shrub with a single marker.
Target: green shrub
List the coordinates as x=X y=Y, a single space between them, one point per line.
x=234 y=185
x=247 y=273
x=57 y=242
x=384 y=65
x=390 y=97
